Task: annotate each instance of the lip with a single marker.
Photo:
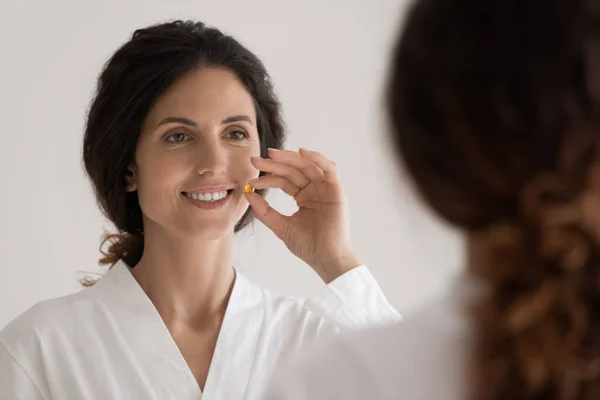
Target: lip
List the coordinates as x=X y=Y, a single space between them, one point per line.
x=213 y=205
x=210 y=189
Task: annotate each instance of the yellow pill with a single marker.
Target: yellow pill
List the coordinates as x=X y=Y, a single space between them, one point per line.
x=248 y=188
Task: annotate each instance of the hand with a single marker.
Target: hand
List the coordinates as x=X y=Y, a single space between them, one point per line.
x=318 y=232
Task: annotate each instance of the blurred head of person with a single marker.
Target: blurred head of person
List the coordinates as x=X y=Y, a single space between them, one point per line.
x=494 y=107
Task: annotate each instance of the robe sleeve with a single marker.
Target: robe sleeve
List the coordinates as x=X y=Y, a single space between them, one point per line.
x=15 y=382
x=354 y=301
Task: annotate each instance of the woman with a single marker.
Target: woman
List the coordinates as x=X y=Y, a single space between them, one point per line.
x=183 y=118
x=495 y=108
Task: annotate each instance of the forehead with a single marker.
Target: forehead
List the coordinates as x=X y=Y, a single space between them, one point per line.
x=205 y=95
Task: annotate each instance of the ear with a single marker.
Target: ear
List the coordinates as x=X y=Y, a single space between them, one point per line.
x=131 y=177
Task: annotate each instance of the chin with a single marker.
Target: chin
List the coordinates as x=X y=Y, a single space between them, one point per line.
x=209 y=230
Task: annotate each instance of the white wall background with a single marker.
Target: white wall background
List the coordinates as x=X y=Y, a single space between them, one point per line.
x=328 y=60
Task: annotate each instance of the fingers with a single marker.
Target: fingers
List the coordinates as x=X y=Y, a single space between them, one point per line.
x=275 y=182
x=293 y=171
x=294 y=175
x=326 y=165
x=272 y=219
x=293 y=158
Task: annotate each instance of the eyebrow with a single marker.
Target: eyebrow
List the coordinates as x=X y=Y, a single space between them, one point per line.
x=179 y=120
x=236 y=118
x=186 y=121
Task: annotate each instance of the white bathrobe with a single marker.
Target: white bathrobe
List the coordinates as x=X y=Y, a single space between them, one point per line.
x=424 y=358
x=109 y=342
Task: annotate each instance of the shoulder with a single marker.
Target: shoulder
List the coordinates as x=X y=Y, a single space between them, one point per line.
x=284 y=317
x=352 y=301
x=25 y=332
x=400 y=361
x=275 y=305
x=289 y=310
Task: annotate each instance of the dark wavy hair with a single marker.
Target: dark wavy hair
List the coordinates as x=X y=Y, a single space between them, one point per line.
x=130 y=82
x=494 y=107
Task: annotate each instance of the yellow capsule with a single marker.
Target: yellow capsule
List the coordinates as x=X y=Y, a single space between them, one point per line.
x=248 y=188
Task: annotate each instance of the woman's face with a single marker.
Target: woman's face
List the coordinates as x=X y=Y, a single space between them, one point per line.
x=193 y=157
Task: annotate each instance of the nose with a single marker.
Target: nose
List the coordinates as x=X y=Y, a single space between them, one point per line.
x=212 y=158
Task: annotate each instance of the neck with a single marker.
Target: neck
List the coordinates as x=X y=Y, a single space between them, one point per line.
x=189 y=281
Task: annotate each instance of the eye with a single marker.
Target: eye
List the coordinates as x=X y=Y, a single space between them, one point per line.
x=178 y=137
x=237 y=135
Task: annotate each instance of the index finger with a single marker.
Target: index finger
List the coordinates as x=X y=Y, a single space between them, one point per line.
x=310 y=169
x=326 y=165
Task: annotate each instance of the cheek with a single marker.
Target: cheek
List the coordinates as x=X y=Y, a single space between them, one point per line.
x=242 y=169
x=159 y=178
x=239 y=163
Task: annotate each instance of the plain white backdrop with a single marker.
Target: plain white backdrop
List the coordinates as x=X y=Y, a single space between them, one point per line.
x=328 y=60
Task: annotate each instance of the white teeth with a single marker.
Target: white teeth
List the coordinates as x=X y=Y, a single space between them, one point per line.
x=208 y=197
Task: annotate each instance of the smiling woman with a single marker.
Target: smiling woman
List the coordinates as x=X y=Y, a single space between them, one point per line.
x=183 y=121
x=194 y=146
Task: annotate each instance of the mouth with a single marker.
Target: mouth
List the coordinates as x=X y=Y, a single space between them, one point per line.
x=208 y=200
x=209 y=197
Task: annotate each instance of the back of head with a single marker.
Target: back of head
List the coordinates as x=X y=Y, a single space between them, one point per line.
x=132 y=80
x=495 y=110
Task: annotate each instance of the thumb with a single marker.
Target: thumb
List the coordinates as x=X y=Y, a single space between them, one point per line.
x=266 y=214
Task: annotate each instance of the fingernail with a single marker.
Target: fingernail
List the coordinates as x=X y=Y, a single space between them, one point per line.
x=272 y=149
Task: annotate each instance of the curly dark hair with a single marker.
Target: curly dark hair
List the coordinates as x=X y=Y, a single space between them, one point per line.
x=130 y=82
x=494 y=107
